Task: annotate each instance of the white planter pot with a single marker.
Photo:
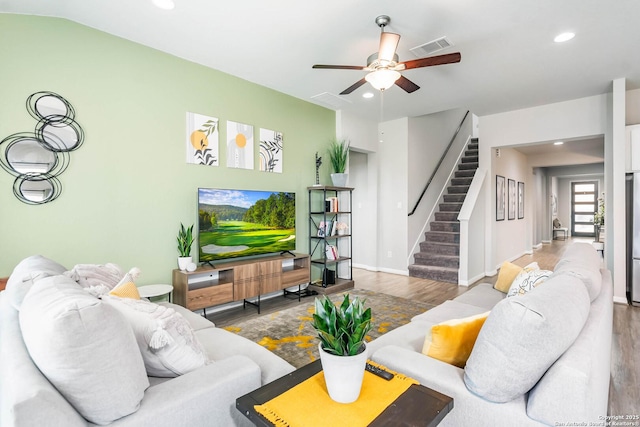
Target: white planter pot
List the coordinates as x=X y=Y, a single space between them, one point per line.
x=183 y=262
x=339 y=179
x=343 y=375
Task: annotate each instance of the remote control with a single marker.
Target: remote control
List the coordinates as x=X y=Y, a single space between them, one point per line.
x=379 y=372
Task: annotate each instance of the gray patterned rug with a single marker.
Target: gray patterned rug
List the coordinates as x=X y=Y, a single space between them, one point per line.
x=289 y=334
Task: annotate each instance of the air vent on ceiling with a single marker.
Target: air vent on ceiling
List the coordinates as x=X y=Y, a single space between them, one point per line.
x=431 y=47
x=332 y=100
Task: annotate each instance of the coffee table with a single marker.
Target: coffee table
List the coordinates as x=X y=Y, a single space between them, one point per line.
x=418 y=406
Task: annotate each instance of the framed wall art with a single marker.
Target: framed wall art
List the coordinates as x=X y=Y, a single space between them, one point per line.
x=271 y=151
x=239 y=145
x=512 y=199
x=500 y=198
x=520 y=200
x=202 y=139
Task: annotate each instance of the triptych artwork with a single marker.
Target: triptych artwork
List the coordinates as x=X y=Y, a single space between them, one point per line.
x=509 y=199
x=203 y=143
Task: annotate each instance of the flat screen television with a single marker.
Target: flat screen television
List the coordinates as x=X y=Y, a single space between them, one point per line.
x=242 y=223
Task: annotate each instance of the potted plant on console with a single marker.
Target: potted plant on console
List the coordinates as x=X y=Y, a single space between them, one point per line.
x=339 y=155
x=185 y=239
x=343 y=352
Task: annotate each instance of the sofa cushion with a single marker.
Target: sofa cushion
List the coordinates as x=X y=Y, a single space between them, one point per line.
x=482 y=295
x=453 y=340
x=526 y=281
x=582 y=261
x=26 y=273
x=168 y=345
x=523 y=336
x=85 y=348
x=508 y=272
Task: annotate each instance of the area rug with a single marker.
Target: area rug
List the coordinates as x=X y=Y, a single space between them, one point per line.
x=289 y=334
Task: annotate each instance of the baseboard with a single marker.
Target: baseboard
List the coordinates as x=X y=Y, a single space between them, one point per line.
x=392 y=271
x=529 y=252
x=472 y=280
x=538 y=246
x=491 y=273
x=620 y=300
x=365 y=267
x=548 y=242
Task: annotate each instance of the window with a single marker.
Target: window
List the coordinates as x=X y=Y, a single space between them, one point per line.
x=584 y=203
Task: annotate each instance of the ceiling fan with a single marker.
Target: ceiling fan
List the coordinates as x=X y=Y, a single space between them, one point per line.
x=383 y=66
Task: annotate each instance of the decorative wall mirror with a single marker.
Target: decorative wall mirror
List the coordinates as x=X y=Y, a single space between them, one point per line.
x=37 y=159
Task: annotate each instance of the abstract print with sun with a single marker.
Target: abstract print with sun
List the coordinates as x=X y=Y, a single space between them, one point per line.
x=202 y=139
x=239 y=145
x=270 y=151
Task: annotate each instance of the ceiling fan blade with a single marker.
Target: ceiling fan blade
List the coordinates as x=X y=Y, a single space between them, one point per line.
x=353 y=87
x=388 y=44
x=407 y=84
x=339 y=67
x=449 y=58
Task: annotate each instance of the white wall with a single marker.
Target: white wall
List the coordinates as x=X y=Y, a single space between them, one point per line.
x=512 y=234
x=580 y=118
x=632 y=107
x=392 y=196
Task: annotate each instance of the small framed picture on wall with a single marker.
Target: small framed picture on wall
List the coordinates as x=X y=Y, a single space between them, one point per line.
x=520 y=200
x=512 y=199
x=500 y=197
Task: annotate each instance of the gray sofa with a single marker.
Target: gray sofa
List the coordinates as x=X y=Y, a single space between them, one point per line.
x=202 y=397
x=542 y=358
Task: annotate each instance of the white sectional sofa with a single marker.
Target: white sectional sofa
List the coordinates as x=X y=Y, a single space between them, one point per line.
x=542 y=358
x=101 y=374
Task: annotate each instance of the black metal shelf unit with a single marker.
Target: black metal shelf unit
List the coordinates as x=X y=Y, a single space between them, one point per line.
x=330 y=242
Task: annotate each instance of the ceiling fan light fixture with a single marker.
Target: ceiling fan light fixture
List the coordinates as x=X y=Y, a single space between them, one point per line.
x=382 y=79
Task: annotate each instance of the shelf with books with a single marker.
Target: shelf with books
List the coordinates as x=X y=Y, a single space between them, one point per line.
x=330 y=243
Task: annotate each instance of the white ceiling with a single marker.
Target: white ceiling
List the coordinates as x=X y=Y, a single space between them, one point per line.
x=509 y=59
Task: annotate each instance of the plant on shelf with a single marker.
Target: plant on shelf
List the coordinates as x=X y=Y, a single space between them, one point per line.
x=343 y=352
x=185 y=240
x=598 y=217
x=339 y=156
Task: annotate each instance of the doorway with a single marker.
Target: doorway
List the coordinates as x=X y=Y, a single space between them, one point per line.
x=584 y=204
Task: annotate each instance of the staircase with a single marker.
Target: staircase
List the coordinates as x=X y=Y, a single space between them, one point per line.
x=439 y=256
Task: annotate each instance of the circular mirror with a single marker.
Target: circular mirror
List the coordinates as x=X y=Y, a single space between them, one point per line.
x=49 y=106
x=36 y=190
x=60 y=136
x=28 y=156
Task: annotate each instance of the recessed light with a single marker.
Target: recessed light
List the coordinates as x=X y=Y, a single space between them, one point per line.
x=558 y=143
x=164 y=4
x=367 y=95
x=564 y=37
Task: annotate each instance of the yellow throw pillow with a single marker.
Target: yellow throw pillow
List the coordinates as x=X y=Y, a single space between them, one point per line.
x=453 y=340
x=126 y=290
x=508 y=272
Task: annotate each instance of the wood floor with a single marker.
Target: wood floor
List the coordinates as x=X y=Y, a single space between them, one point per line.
x=624 y=393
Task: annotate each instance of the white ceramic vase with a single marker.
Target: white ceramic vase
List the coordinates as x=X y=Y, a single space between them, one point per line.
x=343 y=375
x=339 y=179
x=183 y=262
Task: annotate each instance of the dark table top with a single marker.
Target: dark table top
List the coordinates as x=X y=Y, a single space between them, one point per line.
x=418 y=406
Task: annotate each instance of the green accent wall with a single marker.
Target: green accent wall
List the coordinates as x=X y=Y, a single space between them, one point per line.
x=128 y=188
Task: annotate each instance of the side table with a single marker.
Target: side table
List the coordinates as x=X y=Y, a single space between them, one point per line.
x=155 y=291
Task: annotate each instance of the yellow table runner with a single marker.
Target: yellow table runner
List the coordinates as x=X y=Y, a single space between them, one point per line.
x=308 y=404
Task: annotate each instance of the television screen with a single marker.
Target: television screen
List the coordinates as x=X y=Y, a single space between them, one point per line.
x=239 y=223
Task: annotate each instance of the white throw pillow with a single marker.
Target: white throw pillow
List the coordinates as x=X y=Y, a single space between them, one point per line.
x=96 y=275
x=527 y=281
x=26 y=273
x=85 y=348
x=167 y=342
